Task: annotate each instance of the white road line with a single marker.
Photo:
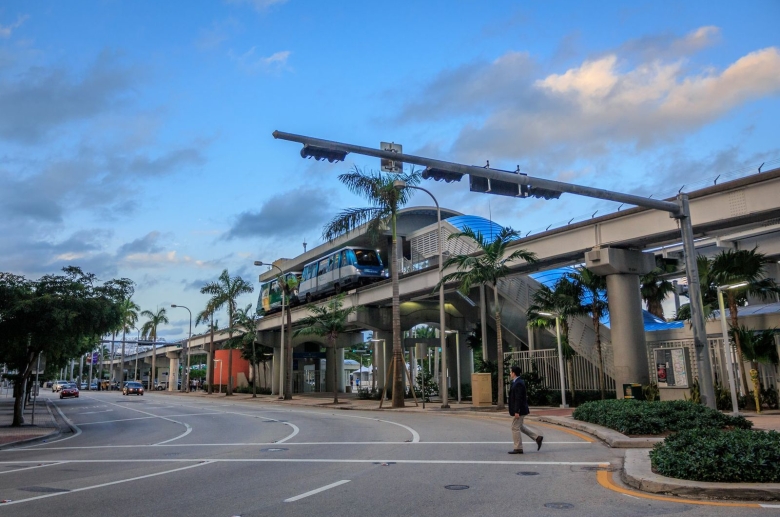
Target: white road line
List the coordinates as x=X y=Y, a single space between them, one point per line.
x=769 y=505
x=30 y=468
x=94 y=412
x=56 y=494
x=186 y=426
x=249 y=444
x=288 y=437
x=317 y=491
x=334 y=460
x=146 y=418
x=70 y=423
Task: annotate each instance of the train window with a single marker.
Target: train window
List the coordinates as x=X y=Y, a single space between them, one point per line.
x=367 y=258
x=344 y=259
x=323 y=267
x=305 y=274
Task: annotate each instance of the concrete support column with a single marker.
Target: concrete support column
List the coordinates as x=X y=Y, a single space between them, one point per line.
x=483 y=320
x=379 y=363
x=622 y=268
x=627 y=330
x=173 y=363
x=340 y=377
x=466 y=361
x=276 y=372
x=531 y=337
x=330 y=364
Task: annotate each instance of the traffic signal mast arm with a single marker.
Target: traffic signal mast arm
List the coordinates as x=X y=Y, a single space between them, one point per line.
x=333 y=151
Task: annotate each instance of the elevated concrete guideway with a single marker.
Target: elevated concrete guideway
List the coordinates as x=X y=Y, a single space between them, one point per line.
x=738 y=205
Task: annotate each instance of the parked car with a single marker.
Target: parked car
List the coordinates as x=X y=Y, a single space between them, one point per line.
x=93 y=386
x=49 y=384
x=133 y=387
x=69 y=390
x=83 y=386
x=57 y=386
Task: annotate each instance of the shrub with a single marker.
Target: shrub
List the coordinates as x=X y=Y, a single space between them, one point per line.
x=733 y=456
x=639 y=417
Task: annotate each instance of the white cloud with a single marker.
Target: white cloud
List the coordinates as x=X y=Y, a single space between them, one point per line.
x=7 y=30
x=252 y=63
x=259 y=5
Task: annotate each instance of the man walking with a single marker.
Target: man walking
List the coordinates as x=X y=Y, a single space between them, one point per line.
x=518 y=408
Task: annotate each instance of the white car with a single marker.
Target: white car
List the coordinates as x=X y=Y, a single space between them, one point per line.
x=58 y=385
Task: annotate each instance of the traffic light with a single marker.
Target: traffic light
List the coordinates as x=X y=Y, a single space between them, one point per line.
x=432 y=173
x=543 y=193
x=500 y=188
x=322 y=153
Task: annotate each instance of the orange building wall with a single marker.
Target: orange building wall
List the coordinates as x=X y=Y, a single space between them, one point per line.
x=239 y=365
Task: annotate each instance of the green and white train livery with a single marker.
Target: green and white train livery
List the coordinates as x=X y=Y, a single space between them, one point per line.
x=346 y=268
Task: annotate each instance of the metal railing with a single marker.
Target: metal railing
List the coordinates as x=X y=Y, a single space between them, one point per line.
x=584 y=373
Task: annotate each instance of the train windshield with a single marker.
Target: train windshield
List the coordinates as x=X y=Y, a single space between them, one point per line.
x=367 y=258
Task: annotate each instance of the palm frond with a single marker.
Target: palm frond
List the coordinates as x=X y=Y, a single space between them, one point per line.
x=349 y=220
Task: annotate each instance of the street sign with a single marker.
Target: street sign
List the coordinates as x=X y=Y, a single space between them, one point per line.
x=390 y=165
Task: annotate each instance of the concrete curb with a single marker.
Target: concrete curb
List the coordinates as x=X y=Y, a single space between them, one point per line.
x=611 y=437
x=638 y=474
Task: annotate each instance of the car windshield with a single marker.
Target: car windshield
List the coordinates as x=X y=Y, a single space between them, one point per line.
x=133 y=384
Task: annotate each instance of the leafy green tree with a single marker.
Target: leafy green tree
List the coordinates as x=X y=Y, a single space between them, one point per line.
x=59 y=316
x=328 y=320
x=149 y=331
x=733 y=267
x=207 y=316
x=129 y=311
x=246 y=341
x=487 y=268
x=385 y=201
x=594 y=302
x=224 y=293
x=562 y=300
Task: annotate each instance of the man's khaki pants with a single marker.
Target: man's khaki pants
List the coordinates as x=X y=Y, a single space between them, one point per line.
x=517 y=428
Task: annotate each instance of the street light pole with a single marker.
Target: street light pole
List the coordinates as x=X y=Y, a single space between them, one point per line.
x=727 y=347
x=186 y=349
x=137 y=339
x=283 y=373
x=560 y=355
x=401 y=184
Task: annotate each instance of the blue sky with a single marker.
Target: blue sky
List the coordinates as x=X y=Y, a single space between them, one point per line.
x=135 y=137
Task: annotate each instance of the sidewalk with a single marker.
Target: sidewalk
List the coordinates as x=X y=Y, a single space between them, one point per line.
x=45 y=423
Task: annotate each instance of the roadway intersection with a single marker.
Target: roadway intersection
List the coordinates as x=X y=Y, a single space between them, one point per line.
x=164 y=453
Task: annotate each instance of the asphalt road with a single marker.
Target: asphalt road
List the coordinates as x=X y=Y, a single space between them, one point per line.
x=170 y=455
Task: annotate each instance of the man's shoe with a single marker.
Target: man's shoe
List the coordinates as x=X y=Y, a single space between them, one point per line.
x=539 y=442
x=516 y=451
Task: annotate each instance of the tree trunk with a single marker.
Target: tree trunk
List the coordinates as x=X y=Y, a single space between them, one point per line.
x=289 y=358
x=398 y=355
x=740 y=360
x=655 y=308
x=569 y=362
x=254 y=371
x=229 y=390
x=597 y=329
x=499 y=350
x=122 y=364
x=334 y=376
x=111 y=374
x=211 y=358
x=20 y=385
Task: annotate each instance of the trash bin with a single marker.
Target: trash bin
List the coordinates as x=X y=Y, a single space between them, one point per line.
x=633 y=391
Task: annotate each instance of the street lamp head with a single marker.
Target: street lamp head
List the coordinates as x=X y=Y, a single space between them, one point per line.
x=259 y=263
x=173 y=305
x=733 y=286
x=399 y=184
x=547 y=314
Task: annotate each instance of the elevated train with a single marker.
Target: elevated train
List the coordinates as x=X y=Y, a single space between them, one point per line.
x=347 y=268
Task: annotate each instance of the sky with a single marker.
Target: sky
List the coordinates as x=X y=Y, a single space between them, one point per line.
x=135 y=136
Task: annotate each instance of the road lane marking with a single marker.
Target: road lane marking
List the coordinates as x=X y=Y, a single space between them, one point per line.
x=295 y=429
x=323 y=460
x=56 y=494
x=30 y=468
x=316 y=491
x=67 y=420
x=147 y=418
x=188 y=428
x=605 y=479
x=94 y=412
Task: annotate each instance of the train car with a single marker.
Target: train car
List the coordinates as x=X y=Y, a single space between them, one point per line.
x=346 y=268
x=270 y=299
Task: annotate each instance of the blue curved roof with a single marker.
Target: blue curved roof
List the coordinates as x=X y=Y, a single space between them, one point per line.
x=479 y=224
x=652 y=322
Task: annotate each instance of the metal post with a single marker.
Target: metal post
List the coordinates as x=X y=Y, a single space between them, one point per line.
x=560 y=361
x=91 y=357
x=457 y=361
x=35 y=387
x=706 y=388
x=727 y=351
x=186 y=376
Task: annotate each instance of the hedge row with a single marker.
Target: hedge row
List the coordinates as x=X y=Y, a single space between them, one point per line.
x=634 y=417
x=733 y=456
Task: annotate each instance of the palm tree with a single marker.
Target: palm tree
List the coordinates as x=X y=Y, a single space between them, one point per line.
x=487 y=268
x=732 y=267
x=385 y=201
x=594 y=302
x=329 y=321
x=149 y=331
x=709 y=292
x=563 y=300
x=655 y=289
x=224 y=293
x=207 y=316
x=129 y=313
x=246 y=323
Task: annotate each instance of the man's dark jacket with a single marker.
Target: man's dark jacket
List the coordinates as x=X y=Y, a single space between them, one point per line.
x=518 y=400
